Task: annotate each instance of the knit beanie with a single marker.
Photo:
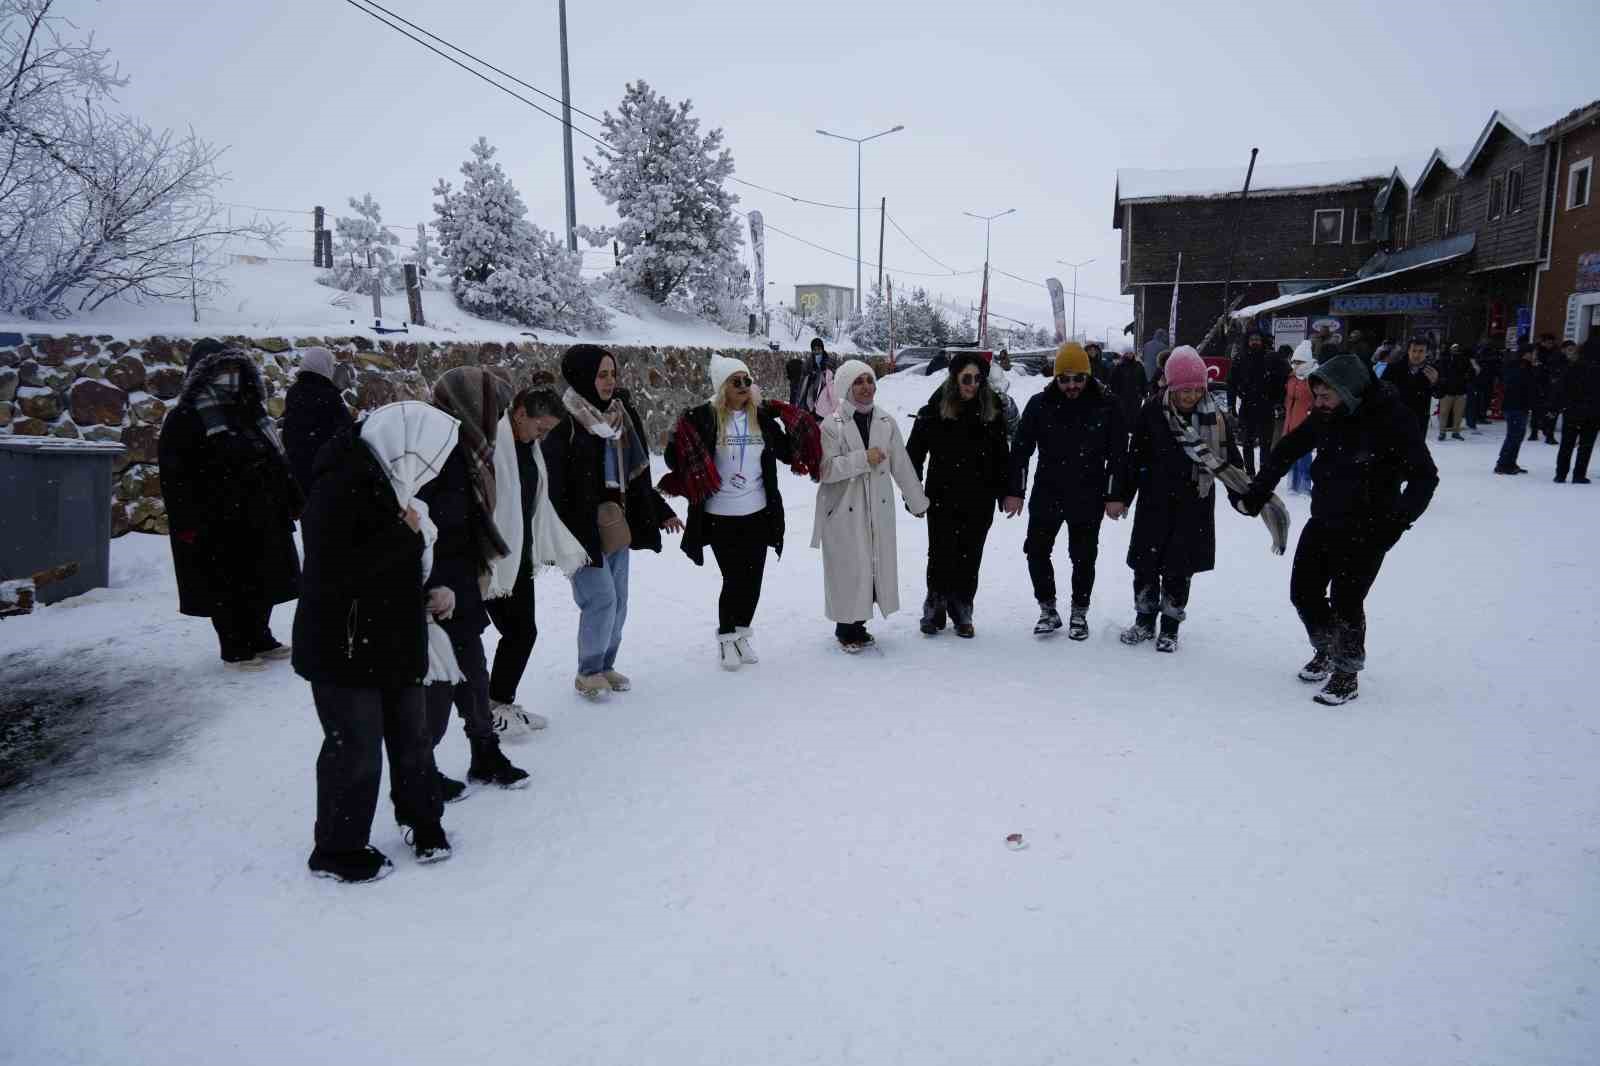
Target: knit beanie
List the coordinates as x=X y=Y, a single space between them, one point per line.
x=1185 y=369
x=317 y=361
x=1071 y=359
x=723 y=368
x=1304 y=361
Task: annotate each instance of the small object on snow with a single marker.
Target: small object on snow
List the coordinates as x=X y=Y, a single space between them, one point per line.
x=378 y=327
x=1015 y=842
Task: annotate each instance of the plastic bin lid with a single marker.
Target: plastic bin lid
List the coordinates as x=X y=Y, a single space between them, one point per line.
x=62 y=445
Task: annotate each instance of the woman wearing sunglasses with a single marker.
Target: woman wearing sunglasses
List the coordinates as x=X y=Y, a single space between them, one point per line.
x=961 y=435
x=724 y=457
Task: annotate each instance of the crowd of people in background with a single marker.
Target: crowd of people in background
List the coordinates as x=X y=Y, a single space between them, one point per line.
x=423 y=523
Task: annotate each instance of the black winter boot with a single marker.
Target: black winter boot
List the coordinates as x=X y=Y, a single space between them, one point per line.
x=1317 y=669
x=1049 y=619
x=491 y=767
x=1143 y=629
x=1078 y=624
x=1168 y=640
x=428 y=843
x=933 y=614
x=1341 y=688
x=961 y=615
x=450 y=790
x=351 y=867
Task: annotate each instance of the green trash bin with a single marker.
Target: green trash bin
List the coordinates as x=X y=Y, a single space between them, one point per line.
x=56 y=517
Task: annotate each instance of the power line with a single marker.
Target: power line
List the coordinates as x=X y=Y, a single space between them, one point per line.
x=900 y=230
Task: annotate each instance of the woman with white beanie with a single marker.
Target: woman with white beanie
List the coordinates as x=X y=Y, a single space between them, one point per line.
x=1296 y=406
x=862 y=451
x=724 y=457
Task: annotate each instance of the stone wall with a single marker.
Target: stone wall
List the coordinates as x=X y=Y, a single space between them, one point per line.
x=111 y=389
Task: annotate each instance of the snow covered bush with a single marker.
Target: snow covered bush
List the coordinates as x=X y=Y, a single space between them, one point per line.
x=502 y=266
x=362 y=247
x=678 y=236
x=95 y=205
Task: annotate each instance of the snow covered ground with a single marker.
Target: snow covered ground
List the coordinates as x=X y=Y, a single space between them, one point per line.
x=805 y=862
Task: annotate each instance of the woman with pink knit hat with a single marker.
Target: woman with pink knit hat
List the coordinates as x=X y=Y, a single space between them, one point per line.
x=1182 y=446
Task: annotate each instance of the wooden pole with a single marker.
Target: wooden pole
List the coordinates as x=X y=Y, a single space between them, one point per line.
x=423 y=253
x=316 y=238
x=1233 y=244
x=414 y=294
x=377 y=289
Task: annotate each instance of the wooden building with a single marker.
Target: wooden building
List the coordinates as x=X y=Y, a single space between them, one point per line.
x=1567 y=280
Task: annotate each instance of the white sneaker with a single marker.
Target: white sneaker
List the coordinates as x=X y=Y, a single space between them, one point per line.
x=511 y=720
x=746 y=650
x=727 y=653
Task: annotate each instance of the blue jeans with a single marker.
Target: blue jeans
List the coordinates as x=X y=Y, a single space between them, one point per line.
x=1516 y=426
x=1300 y=475
x=601 y=593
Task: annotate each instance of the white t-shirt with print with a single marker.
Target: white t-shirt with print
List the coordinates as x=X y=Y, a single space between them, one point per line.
x=743 y=491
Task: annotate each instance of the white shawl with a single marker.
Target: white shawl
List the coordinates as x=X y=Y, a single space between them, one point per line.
x=553 y=544
x=507 y=512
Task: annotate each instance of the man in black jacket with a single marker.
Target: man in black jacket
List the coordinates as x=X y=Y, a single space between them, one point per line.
x=1130 y=384
x=1413 y=381
x=313 y=414
x=1367 y=447
x=1580 y=403
x=1252 y=399
x=1516 y=400
x=1545 y=398
x=1082 y=439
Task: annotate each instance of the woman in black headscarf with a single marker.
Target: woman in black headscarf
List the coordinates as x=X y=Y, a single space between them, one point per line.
x=599 y=469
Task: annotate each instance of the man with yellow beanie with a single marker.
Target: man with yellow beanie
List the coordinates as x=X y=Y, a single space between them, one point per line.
x=1082 y=439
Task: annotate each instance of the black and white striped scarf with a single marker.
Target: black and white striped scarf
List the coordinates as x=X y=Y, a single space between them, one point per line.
x=1203 y=436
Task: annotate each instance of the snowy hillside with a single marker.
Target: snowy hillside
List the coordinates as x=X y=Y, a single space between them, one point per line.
x=805 y=862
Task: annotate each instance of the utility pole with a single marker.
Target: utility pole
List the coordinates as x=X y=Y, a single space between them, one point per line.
x=566 y=133
x=858 y=142
x=1074 y=267
x=1233 y=243
x=883 y=213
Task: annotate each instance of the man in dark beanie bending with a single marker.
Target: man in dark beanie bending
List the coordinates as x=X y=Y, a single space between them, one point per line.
x=1368 y=446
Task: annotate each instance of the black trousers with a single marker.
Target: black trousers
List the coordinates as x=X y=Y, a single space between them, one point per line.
x=956 y=536
x=1542 y=420
x=1333 y=572
x=1166 y=594
x=1579 y=433
x=1083 y=548
x=1255 y=431
x=243 y=628
x=470 y=697
x=357 y=724
x=513 y=616
x=739 y=544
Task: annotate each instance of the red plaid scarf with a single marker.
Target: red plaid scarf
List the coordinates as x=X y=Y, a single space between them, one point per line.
x=694 y=475
x=805 y=438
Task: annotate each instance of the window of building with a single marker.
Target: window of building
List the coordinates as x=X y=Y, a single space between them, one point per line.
x=1579 y=179
x=1452 y=213
x=1327 y=226
x=1497 y=196
x=1513 y=190
x=1438 y=218
x=1361 y=226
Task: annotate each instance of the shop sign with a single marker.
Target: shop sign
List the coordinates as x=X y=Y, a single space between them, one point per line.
x=1588 y=273
x=1384 y=303
x=1333 y=326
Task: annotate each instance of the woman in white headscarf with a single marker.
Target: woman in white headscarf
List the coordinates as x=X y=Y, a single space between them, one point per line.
x=1296 y=406
x=862 y=453
x=360 y=635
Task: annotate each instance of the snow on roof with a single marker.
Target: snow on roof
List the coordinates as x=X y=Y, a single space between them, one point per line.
x=1135 y=184
x=1498 y=119
x=1306 y=297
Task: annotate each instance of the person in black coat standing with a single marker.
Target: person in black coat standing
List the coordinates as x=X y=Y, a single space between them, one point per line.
x=1413 y=380
x=1549 y=365
x=1082 y=440
x=1517 y=397
x=724 y=457
x=960 y=436
x=231 y=504
x=1175 y=525
x=1129 y=384
x=599 y=471
x=360 y=636
x=1255 y=394
x=313 y=414
x=1367 y=446
x=1580 y=405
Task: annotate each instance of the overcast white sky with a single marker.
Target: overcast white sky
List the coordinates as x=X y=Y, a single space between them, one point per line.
x=1008 y=103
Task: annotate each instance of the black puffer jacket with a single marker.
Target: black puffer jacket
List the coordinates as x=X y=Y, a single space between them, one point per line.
x=575 y=460
x=774 y=449
x=1580 y=385
x=1174 y=527
x=1412 y=389
x=1250 y=383
x=454 y=509
x=230 y=497
x=361 y=620
x=1363 y=459
x=1083 y=453
x=313 y=414
x=967 y=457
x=1129 y=384
x=1521 y=389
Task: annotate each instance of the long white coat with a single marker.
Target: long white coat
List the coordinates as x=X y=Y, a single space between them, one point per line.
x=856 y=517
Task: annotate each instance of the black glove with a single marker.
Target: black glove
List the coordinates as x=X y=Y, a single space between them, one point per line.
x=1252 y=500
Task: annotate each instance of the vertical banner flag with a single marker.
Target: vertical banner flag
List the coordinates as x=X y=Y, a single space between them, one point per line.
x=1058 y=304
x=758 y=249
x=1172 y=315
x=889 y=293
x=983 y=311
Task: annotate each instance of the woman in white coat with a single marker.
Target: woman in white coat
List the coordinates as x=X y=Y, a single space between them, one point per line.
x=862 y=452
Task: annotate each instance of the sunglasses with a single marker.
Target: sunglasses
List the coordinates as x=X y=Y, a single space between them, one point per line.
x=739 y=381
x=1072 y=379
x=968 y=379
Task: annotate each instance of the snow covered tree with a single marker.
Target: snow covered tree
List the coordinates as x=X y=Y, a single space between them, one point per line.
x=678 y=235
x=363 y=246
x=502 y=266
x=95 y=205
x=869 y=327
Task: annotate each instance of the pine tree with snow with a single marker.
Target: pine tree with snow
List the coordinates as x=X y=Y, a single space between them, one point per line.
x=869 y=327
x=678 y=235
x=362 y=246
x=502 y=266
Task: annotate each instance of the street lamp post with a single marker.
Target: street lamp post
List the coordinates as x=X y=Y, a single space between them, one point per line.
x=858 y=142
x=987 y=220
x=1074 y=267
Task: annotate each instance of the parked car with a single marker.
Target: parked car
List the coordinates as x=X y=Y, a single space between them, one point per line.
x=910 y=357
x=1040 y=361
